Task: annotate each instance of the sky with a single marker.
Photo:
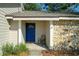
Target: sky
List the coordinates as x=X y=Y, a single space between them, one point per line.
x=73 y=8
x=43 y=6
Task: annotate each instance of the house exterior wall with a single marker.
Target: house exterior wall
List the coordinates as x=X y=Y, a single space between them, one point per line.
x=48 y=34
x=13 y=32
x=4 y=28
x=4 y=24
x=41 y=28
x=66 y=34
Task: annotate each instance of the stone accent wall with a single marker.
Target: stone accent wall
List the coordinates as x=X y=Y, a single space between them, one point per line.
x=66 y=35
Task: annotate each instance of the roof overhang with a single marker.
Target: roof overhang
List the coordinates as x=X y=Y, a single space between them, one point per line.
x=68 y=18
x=32 y=18
x=9 y=17
x=42 y=18
x=39 y=15
x=35 y=19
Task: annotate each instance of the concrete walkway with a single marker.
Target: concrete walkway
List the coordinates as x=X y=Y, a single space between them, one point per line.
x=35 y=50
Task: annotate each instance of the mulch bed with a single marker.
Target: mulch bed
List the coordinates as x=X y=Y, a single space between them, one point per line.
x=60 y=53
x=19 y=54
x=24 y=53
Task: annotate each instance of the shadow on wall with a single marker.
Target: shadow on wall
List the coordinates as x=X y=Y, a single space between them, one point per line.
x=13 y=31
x=13 y=25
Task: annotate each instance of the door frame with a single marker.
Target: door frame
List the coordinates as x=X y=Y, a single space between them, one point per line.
x=34 y=29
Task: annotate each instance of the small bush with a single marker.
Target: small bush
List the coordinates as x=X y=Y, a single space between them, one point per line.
x=16 y=50
x=10 y=49
x=7 y=49
x=22 y=47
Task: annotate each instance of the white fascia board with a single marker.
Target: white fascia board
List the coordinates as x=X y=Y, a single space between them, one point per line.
x=9 y=17
x=68 y=18
x=35 y=18
x=57 y=19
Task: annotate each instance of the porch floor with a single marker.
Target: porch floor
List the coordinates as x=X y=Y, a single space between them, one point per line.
x=34 y=49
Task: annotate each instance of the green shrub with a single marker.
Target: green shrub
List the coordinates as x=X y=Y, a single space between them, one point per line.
x=10 y=49
x=22 y=47
x=16 y=49
x=7 y=49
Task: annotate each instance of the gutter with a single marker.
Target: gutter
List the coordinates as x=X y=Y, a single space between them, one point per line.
x=40 y=18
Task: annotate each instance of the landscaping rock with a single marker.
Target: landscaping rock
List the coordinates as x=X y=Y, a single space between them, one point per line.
x=66 y=35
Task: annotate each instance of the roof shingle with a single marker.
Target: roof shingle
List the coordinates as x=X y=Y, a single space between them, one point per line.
x=41 y=14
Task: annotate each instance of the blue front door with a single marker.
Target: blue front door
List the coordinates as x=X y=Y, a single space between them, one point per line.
x=30 y=32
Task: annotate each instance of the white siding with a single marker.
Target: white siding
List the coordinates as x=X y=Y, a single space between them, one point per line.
x=4 y=25
x=4 y=28
x=13 y=32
